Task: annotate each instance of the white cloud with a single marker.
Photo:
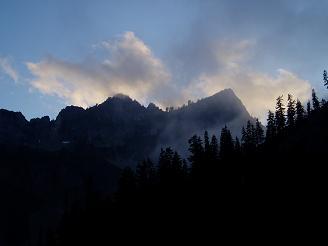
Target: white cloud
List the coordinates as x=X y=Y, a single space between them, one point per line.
x=130 y=68
x=257 y=90
x=6 y=67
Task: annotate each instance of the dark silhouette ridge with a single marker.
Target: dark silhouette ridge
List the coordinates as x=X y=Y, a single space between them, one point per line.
x=267 y=180
x=76 y=196
x=120 y=123
x=13 y=127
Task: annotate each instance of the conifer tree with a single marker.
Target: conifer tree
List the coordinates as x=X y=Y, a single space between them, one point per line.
x=177 y=164
x=226 y=143
x=206 y=143
x=250 y=132
x=315 y=101
x=214 y=147
x=248 y=138
x=237 y=146
x=196 y=150
x=176 y=161
x=251 y=135
x=243 y=137
x=259 y=133
x=271 y=127
x=308 y=108
x=299 y=111
x=165 y=164
x=280 y=119
x=291 y=111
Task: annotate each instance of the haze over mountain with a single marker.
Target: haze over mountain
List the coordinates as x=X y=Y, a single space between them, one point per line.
x=123 y=127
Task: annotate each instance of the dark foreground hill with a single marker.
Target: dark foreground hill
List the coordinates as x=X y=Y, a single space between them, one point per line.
x=38 y=186
x=46 y=166
x=62 y=194
x=127 y=130
x=260 y=190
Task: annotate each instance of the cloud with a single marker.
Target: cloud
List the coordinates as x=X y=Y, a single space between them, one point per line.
x=257 y=90
x=130 y=67
x=7 y=68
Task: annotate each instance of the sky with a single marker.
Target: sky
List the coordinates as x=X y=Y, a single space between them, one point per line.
x=79 y=52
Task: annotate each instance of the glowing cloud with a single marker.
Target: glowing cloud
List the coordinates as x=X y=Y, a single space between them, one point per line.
x=130 y=68
x=257 y=90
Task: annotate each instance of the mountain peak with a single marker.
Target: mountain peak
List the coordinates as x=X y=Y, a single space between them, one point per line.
x=11 y=116
x=226 y=96
x=152 y=106
x=122 y=96
x=70 y=111
x=226 y=92
x=119 y=97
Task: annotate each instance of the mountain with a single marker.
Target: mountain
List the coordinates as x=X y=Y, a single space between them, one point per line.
x=125 y=129
x=58 y=177
x=281 y=180
x=13 y=127
x=48 y=165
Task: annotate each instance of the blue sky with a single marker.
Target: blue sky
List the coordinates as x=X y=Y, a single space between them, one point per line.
x=80 y=52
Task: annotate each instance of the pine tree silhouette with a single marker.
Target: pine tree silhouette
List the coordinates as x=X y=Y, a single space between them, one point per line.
x=197 y=154
x=291 y=111
x=206 y=143
x=315 y=101
x=226 y=144
x=165 y=165
x=280 y=118
x=248 y=138
x=299 y=112
x=243 y=137
x=177 y=164
x=259 y=133
x=237 y=146
x=214 y=149
x=271 y=127
x=308 y=108
x=251 y=133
